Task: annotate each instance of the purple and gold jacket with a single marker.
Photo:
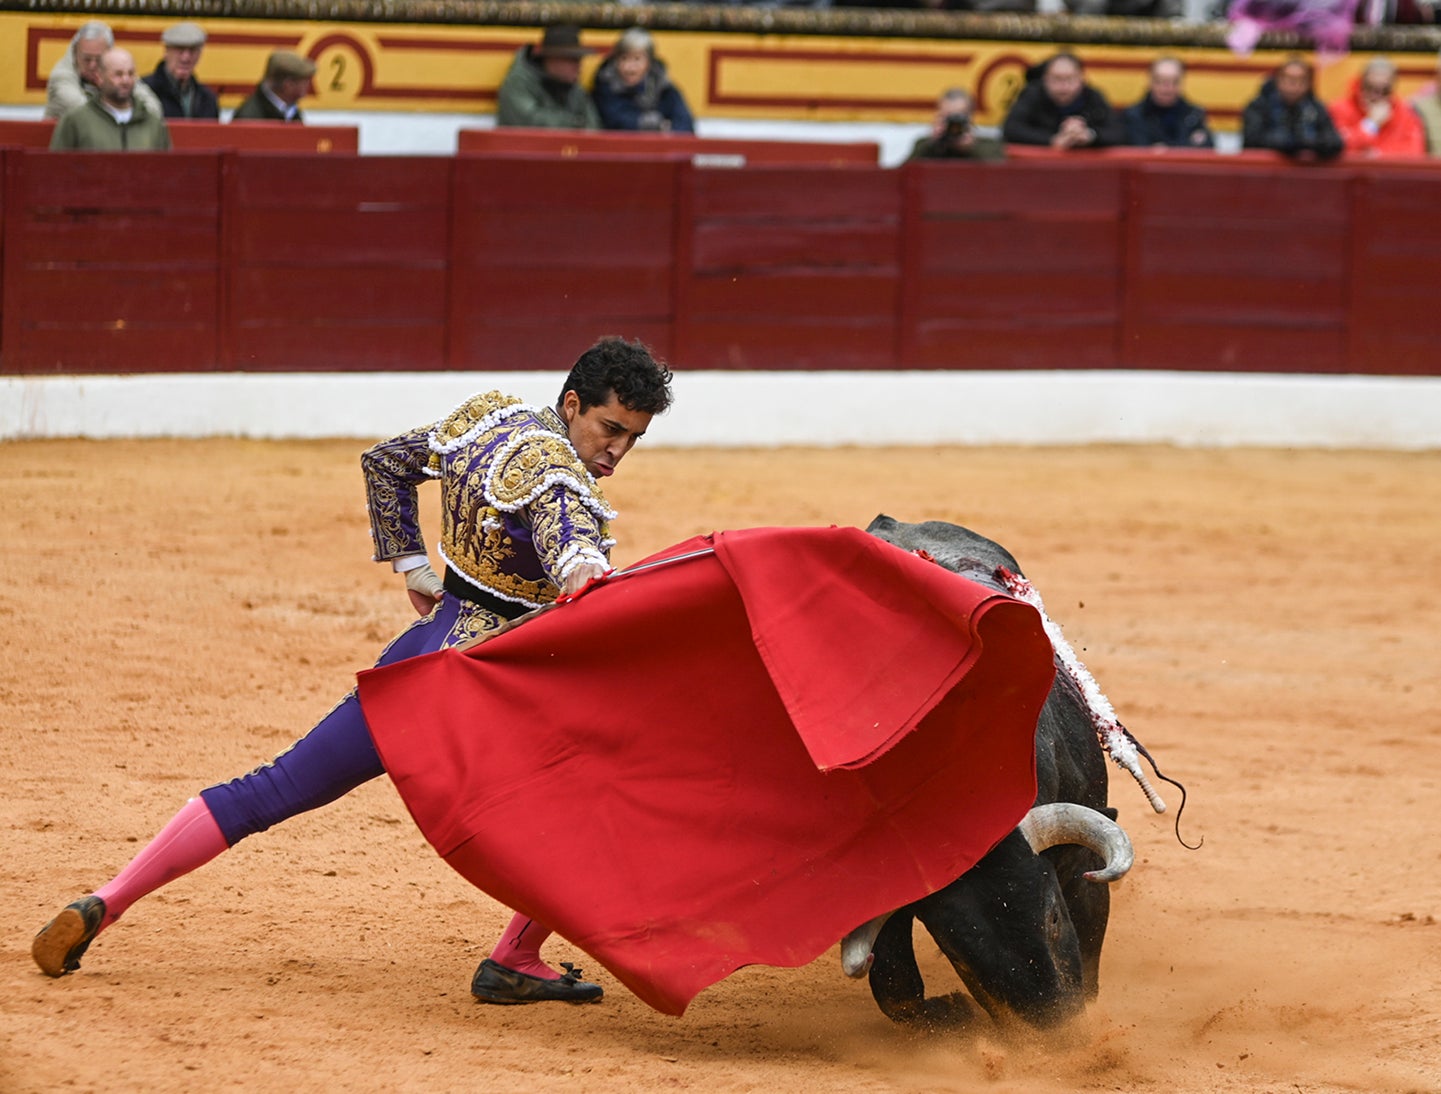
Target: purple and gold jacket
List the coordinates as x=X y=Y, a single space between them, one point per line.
x=518 y=508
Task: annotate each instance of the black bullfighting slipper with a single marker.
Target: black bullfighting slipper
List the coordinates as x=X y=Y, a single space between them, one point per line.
x=494 y=983
x=58 y=947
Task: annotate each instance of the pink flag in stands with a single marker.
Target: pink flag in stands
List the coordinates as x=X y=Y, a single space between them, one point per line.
x=1326 y=22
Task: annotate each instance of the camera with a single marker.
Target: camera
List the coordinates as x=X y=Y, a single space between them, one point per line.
x=957 y=126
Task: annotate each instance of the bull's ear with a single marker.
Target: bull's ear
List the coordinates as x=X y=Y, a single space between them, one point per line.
x=1111 y=811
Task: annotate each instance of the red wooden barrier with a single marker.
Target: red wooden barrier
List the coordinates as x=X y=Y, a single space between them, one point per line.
x=111 y=270
x=720 y=151
x=1014 y=265
x=262 y=136
x=1237 y=268
x=548 y=255
x=192 y=136
x=1395 y=323
x=241 y=260
x=336 y=263
x=23 y=133
x=788 y=268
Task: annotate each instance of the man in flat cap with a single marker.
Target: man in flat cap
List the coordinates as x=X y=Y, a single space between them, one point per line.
x=542 y=88
x=286 y=81
x=181 y=95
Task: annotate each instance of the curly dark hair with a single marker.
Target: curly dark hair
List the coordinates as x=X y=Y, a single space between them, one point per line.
x=627 y=369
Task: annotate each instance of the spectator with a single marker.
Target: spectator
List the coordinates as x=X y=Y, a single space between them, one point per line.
x=1058 y=108
x=276 y=97
x=73 y=79
x=953 y=132
x=542 y=88
x=1128 y=9
x=1287 y=117
x=115 y=120
x=1165 y=118
x=181 y=95
x=1014 y=6
x=1372 y=121
x=632 y=89
x=1377 y=12
x=1428 y=108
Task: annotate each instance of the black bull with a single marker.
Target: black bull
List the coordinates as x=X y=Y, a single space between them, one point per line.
x=1023 y=929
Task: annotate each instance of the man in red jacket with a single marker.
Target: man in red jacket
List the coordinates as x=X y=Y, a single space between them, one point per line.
x=1373 y=121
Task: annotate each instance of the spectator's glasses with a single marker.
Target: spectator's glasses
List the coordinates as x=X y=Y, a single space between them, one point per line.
x=1373 y=92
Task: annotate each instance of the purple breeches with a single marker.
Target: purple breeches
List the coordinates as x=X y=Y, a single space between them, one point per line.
x=328 y=762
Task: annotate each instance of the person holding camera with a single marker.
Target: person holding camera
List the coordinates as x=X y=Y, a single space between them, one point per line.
x=953 y=134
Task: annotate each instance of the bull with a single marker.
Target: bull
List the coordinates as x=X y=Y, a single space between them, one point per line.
x=1023 y=928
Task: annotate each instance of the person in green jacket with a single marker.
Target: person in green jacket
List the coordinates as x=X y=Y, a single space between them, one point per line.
x=276 y=98
x=542 y=89
x=115 y=120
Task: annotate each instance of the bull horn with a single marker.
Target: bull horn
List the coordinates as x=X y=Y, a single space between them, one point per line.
x=1065 y=822
x=856 y=955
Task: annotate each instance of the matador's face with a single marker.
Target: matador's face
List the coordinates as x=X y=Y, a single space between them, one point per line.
x=604 y=433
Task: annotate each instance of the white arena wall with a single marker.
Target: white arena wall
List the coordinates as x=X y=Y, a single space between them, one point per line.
x=764 y=409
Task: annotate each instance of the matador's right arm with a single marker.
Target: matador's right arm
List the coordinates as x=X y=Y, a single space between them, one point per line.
x=393 y=469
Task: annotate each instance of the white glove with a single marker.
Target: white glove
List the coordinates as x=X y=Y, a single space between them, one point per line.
x=424 y=588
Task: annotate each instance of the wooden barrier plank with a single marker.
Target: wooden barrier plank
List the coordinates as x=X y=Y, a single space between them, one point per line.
x=336 y=262
x=548 y=254
x=1396 y=269
x=26 y=133
x=1012 y=265
x=587 y=144
x=528 y=293
x=789 y=267
x=204 y=136
x=113 y=268
x=262 y=136
x=1237 y=269
x=378 y=233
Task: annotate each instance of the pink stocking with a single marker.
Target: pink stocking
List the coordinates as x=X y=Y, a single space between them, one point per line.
x=519 y=948
x=190 y=840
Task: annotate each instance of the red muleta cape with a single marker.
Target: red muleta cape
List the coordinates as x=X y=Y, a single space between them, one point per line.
x=729 y=759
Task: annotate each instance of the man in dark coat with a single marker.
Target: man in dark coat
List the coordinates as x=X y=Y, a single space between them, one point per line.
x=1058 y=108
x=1287 y=117
x=542 y=88
x=275 y=99
x=181 y=95
x=1166 y=118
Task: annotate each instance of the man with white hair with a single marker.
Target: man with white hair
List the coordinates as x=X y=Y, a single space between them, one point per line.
x=115 y=120
x=73 y=80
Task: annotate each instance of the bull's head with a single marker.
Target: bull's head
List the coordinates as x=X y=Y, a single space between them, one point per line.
x=1005 y=926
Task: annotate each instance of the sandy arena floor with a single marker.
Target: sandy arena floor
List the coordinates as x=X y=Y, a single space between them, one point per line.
x=1266 y=622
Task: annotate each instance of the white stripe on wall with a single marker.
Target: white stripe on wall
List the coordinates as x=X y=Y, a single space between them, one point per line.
x=751 y=409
